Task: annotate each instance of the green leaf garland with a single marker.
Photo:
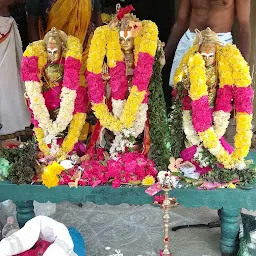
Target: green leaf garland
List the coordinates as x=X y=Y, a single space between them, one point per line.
x=159 y=132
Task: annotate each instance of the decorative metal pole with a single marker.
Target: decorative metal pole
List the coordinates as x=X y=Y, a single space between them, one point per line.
x=166 y=207
x=166 y=185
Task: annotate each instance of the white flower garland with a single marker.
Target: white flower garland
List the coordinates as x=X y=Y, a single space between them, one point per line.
x=220 y=120
x=37 y=104
x=121 y=140
x=191 y=135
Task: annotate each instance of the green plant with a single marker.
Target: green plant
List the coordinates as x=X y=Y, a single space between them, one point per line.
x=23 y=162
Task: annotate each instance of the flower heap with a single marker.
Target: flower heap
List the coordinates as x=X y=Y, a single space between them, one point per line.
x=128 y=114
x=199 y=123
x=72 y=105
x=98 y=169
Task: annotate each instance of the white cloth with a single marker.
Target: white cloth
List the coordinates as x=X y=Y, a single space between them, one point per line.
x=186 y=42
x=40 y=227
x=14 y=115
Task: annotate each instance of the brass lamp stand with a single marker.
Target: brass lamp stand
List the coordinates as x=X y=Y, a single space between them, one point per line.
x=167 y=204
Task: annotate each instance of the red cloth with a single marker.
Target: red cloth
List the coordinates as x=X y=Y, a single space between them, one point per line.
x=38 y=250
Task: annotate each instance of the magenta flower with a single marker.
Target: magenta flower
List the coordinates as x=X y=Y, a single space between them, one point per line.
x=201 y=114
x=81 y=102
x=130 y=166
x=116 y=183
x=29 y=69
x=71 y=78
x=186 y=103
x=224 y=99
x=118 y=81
x=243 y=97
x=96 y=87
x=143 y=71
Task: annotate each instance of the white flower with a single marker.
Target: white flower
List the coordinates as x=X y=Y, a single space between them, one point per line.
x=67 y=164
x=240 y=166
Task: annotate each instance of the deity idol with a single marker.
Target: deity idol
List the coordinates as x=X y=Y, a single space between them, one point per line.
x=117 y=142
x=50 y=69
x=216 y=80
x=131 y=47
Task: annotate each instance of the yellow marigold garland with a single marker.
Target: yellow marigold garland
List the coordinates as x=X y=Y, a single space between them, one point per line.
x=97 y=50
x=179 y=73
x=198 y=87
x=74 y=48
x=116 y=55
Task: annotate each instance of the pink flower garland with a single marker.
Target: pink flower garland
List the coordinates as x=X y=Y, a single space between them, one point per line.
x=71 y=74
x=243 y=99
x=81 y=100
x=143 y=72
x=29 y=69
x=118 y=81
x=31 y=72
x=96 y=87
x=224 y=99
x=201 y=114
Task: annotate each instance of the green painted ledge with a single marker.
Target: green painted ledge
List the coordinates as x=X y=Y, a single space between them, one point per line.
x=189 y=197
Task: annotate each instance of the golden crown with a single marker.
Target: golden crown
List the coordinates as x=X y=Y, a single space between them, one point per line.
x=56 y=35
x=124 y=20
x=206 y=36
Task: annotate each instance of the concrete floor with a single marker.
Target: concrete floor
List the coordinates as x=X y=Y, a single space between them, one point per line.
x=138 y=230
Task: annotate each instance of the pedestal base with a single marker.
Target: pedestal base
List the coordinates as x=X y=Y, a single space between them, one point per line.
x=230 y=224
x=25 y=212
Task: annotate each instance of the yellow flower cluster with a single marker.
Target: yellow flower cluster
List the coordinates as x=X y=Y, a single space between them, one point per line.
x=128 y=116
x=224 y=68
x=74 y=131
x=179 y=73
x=197 y=75
x=148 y=181
x=40 y=139
x=243 y=135
x=50 y=176
x=233 y=69
x=242 y=142
x=37 y=49
x=149 y=38
x=97 y=50
x=211 y=142
x=132 y=106
x=114 y=51
x=74 y=48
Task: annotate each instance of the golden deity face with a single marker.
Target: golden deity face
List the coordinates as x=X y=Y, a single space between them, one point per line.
x=126 y=41
x=54 y=49
x=208 y=52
